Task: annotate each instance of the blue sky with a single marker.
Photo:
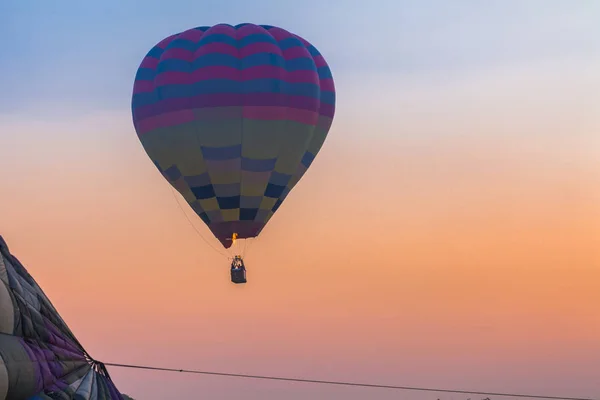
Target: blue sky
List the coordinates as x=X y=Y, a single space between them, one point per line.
x=72 y=54
x=465 y=103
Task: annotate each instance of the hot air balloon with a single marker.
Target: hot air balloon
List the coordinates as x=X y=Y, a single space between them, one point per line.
x=40 y=358
x=233 y=116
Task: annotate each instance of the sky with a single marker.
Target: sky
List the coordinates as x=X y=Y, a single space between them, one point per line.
x=447 y=235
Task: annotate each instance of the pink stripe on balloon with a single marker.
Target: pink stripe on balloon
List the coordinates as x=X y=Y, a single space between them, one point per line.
x=193 y=35
x=302 y=76
x=260 y=47
x=177 y=53
x=216 y=47
x=304 y=41
x=302 y=116
x=324 y=122
x=165 y=42
x=295 y=52
x=250 y=29
x=280 y=34
x=221 y=29
x=272 y=71
x=149 y=62
x=215 y=72
x=173 y=78
x=280 y=113
x=164 y=120
x=222 y=72
x=228 y=99
x=143 y=87
x=319 y=61
x=327 y=85
x=327 y=110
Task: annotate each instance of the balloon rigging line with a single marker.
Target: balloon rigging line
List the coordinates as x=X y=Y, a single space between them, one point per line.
x=194 y=226
x=342 y=383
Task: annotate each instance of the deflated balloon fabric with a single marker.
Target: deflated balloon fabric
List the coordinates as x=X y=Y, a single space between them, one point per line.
x=40 y=358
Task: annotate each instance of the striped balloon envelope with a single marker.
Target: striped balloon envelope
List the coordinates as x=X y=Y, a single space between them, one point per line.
x=233 y=116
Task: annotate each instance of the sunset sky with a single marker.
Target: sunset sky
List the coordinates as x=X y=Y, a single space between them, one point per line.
x=447 y=235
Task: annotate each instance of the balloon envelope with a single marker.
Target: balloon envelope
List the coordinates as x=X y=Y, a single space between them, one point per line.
x=233 y=116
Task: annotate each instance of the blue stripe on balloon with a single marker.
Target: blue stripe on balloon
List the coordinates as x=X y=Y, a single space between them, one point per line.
x=313 y=51
x=273 y=191
x=143 y=99
x=277 y=178
x=203 y=192
x=327 y=97
x=173 y=173
x=176 y=92
x=277 y=205
x=222 y=153
x=180 y=43
x=307 y=159
x=173 y=64
x=229 y=203
x=217 y=59
x=324 y=72
x=256 y=38
x=197 y=180
x=257 y=59
x=248 y=214
x=217 y=38
x=155 y=52
x=289 y=43
x=252 y=165
x=301 y=64
x=226 y=60
x=145 y=74
x=181 y=91
x=187 y=44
